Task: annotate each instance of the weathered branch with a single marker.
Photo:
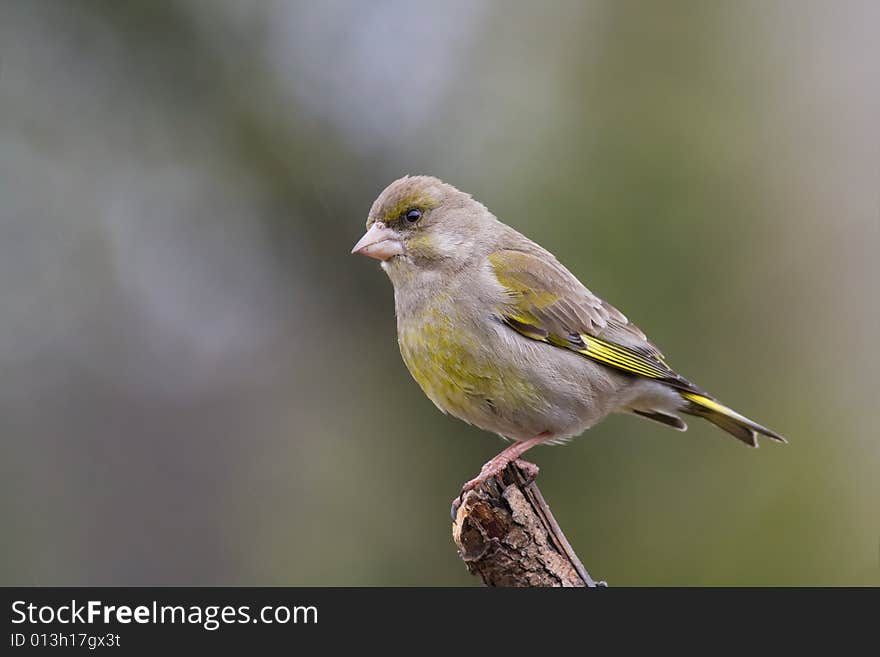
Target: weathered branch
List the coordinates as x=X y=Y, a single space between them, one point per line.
x=507 y=535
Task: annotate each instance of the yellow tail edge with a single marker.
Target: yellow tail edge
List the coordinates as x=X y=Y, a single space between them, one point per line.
x=739 y=426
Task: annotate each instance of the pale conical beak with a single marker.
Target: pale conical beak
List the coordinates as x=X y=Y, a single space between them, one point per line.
x=380 y=242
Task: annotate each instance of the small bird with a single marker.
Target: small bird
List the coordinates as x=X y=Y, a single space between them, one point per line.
x=501 y=335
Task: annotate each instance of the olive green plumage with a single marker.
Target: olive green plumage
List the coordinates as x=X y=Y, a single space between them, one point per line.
x=501 y=335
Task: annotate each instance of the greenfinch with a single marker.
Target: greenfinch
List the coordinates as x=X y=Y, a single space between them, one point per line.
x=501 y=335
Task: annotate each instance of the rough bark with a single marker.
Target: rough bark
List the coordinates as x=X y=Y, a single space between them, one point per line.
x=507 y=536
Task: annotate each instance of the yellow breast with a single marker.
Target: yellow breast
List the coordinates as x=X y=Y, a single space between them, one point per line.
x=454 y=371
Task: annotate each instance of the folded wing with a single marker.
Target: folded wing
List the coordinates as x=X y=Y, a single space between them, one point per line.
x=544 y=301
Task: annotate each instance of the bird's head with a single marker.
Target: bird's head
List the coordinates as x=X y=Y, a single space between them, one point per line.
x=421 y=223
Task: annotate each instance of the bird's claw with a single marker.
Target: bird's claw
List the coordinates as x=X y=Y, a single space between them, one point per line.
x=529 y=469
x=469 y=486
x=456 y=503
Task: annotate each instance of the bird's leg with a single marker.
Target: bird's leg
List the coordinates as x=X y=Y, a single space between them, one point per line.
x=496 y=464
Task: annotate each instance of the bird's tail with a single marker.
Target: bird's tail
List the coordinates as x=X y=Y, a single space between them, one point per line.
x=726 y=418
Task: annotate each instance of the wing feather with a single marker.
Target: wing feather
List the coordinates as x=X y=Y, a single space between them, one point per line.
x=544 y=301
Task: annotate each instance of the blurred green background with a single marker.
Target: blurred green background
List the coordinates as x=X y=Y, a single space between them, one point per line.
x=201 y=386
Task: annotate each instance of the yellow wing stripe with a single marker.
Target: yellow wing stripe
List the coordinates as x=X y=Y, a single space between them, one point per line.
x=611 y=354
x=595 y=348
x=605 y=352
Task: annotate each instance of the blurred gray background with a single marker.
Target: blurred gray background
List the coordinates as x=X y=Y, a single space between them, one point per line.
x=201 y=386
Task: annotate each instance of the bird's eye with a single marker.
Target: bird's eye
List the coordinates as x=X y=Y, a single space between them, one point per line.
x=413 y=215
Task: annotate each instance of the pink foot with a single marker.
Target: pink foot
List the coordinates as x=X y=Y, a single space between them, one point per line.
x=495 y=465
x=492 y=468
